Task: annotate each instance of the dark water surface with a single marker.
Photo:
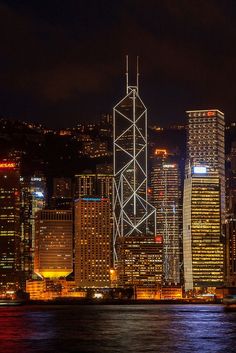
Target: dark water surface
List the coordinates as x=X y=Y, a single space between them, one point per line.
x=117 y=328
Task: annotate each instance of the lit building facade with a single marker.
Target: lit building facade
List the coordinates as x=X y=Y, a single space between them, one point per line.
x=204 y=200
x=53 y=243
x=206 y=144
x=90 y=184
x=93 y=239
x=140 y=261
x=32 y=199
x=230 y=226
x=10 y=255
x=202 y=243
x=133 y=215
x=230 y=252
x=96 y=149
x=62 y=187
x=62 y=193
x=166 y=198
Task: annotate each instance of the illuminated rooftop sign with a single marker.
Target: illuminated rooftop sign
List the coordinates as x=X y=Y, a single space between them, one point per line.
x=91 y=199
x=7 y=165
x=94 y=199
x=199 y=170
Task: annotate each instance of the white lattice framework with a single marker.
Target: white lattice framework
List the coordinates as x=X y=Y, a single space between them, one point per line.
x=133 y=215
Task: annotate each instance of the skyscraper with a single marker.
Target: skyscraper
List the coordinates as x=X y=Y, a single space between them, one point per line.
x=62 y=194
x=202 y=246
x=54 y=243
x=92 y=242
x=134 y=217
x=206 y=144
x=62 y=187
x=166 y=197
x=32 y=199
x=230 y=228
x=91 y=184
x=204 y=200
x=10 y=256
x=230 y=255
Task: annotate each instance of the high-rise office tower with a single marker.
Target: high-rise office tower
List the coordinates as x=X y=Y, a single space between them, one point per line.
x=10 y=256
x=230 y=251
x=231 y=181
x=230 y=228
x=90 y=184
x=62 y=193
x=166 y=198
x=62 y=187
x=134 y=217
x=93 y=241
x=53 y=243
x=97 y=185
x=204 y=200
x=206 y=144
x=202 y=246
x=32 y=199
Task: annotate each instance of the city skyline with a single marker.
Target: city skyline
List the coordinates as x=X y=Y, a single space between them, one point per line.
x=60 y=67
x=117 y=176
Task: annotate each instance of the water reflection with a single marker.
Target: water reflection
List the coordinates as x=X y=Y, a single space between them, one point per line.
x=131 y=328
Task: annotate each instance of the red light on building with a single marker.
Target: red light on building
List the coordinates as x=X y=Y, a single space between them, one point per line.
x=149 y=191
x=158 y=239
x=6 y=165
x=210 y=113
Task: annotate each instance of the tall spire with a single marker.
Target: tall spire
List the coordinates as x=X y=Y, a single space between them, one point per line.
x=136 y=87
x=132 y=211
x=134 y=218
x=137 y=73
x=127 y=73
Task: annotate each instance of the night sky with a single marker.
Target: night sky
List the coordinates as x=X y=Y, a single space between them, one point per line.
x=63 y=62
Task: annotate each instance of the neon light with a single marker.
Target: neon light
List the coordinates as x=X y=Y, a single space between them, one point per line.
x=7 y=165
x=92 y=199
x=199 y=170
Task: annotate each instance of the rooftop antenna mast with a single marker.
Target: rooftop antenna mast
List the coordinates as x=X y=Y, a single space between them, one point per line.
x=137 y=77
x=127 y=73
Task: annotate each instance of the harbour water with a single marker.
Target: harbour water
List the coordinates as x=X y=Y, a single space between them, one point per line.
x=117 y=328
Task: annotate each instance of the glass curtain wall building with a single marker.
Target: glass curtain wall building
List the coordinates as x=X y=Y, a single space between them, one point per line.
x=166 y=197
x=202 y=246
x=10 y=254
x=204 y=200
x=133 y=216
